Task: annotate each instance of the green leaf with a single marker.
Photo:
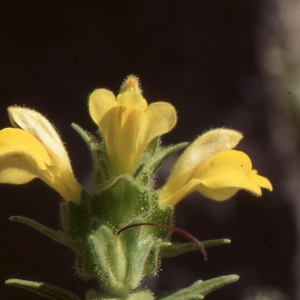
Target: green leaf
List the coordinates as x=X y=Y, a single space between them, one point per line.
x=199 y=289
x=53 y=234
x=43 y=289
x=168 y=249
x=89 y=140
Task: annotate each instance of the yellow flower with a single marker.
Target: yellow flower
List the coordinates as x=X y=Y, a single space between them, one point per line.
x=34 y=149
x=210 y=167
x=128 y=124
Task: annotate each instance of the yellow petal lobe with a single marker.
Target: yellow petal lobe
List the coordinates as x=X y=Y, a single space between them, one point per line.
x=228 y=169
x=22 y=156
x=260 y=180
x=100 y=102
x=132 y=100
x=159 y=118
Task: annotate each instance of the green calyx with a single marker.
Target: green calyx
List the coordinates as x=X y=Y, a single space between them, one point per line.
x=119 y=261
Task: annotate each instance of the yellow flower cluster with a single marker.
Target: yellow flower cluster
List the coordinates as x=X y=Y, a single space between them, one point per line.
x=33 y=149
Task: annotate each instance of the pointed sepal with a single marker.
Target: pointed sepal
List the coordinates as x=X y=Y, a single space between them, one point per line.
x=153 y=146
x=109 y=260
x=99 y=155
x=141 y=254
x=52 y=234
x=43 y=289
x=153 y=158
x=162 y=155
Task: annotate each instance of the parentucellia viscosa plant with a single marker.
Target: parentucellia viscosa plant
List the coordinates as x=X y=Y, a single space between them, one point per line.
x=120 y=230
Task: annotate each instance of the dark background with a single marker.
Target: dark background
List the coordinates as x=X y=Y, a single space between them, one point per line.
x=200 y=56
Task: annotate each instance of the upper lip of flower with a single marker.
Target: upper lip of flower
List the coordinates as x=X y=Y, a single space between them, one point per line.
x=34 y=149
x=128 y=124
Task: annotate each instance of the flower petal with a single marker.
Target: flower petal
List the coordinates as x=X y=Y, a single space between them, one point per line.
x=128 y=131
x=217 y=194
x=219 y=178
x=159 y=118
x=203 y=148
x=228 y=177
x=35 y=123
x=260 y=180
x=229 y=169
x=120 y=127
x=60 y=175
x=100 y=102
x=132 y=100
x=236 y=160
x=224 y=177
x=22 y=156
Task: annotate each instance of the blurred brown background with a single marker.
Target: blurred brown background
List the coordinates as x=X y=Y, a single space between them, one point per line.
x=221 y=63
